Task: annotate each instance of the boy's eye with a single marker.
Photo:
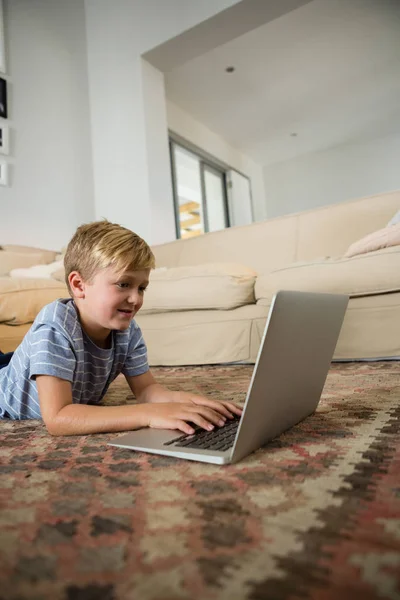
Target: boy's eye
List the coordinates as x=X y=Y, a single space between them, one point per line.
x=123 y=285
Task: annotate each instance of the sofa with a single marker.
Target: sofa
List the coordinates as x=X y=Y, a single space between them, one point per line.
x=209 y=297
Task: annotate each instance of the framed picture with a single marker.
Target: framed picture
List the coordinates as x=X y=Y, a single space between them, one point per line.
x=2 y=44
x=3 y=173
x=4 y=139
x=3 y=98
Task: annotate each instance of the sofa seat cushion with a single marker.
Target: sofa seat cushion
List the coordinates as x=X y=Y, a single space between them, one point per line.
x=22 y=299
x=203 y=336
x=219 y=286
x=363 y=275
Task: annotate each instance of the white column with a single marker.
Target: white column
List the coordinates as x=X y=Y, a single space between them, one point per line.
x=120 y=165
x=158 y=159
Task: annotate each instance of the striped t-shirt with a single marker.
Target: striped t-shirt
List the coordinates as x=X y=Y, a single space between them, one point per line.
x=57 y=345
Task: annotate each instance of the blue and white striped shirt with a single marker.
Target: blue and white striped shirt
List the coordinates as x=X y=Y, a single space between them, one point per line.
x=57 y=345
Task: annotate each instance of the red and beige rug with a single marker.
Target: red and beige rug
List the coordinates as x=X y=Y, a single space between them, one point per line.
x=313 y=515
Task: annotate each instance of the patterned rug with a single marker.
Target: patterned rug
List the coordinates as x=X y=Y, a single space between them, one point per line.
x=314 y=514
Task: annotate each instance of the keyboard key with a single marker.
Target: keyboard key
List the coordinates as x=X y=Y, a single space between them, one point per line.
x=217 y=439
x=178 y=439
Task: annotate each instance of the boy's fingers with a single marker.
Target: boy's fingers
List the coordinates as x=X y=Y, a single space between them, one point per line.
x=199 y=420
x=217 y=406
x=183 y=426
x=232 y=407
x=227 y=408
x=206 y=414
x=211 y=415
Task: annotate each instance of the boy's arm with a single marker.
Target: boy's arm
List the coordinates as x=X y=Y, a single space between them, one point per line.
x=146 y=389
x=62 y=417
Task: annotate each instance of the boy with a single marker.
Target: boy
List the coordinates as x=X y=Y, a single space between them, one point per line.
x=77 y=346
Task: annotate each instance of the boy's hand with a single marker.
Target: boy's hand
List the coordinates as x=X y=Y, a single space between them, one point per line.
x=228 y=409
x=174 y=415
x=182 y=404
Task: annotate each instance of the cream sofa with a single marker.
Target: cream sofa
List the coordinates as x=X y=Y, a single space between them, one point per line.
x=210 y=296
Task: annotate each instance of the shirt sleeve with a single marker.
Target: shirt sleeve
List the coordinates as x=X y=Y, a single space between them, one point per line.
x=51 y=354
x=136 y=360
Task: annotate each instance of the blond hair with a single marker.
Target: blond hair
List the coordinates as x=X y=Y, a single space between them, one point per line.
x=101 y=244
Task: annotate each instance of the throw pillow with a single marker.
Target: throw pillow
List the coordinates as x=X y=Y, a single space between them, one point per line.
x=37 y=271
x=383 y=238
x=394 y=220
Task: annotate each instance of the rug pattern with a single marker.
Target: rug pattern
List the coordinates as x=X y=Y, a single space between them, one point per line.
x=314 y=514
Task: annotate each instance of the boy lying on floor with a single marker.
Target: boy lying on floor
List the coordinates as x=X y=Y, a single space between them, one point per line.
x=77 y=346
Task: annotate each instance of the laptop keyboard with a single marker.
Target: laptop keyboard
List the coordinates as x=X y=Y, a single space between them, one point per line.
x=221 y=438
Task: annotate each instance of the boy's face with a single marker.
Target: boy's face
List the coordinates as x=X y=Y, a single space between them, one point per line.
x=111 y=300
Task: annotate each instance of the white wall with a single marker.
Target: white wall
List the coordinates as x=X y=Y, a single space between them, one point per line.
x=334 y=175
x=51 y=187
x=120 y=166
x=162 y=216
x=182 y=123
x=54 y=176
x=118 y=33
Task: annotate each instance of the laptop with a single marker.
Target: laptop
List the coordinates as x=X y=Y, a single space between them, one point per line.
x=293 y=361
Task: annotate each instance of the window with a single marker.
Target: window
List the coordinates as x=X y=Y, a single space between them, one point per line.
x=200 y=193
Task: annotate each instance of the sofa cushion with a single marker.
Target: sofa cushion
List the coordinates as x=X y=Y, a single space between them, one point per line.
x=383 y=238
x=11 y=337
x=18 y=260
x=22 y=299
x=48 y=255
x=215 y=285
x=196 y=337
x=38 y=271
x=363 y=275
x=59 y=274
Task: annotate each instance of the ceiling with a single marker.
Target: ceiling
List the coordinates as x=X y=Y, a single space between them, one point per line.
x=328 y=72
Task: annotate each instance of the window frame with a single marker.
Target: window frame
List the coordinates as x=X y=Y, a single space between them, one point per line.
x=206 y=162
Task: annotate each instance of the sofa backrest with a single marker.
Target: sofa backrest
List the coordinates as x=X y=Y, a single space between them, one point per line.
x=329 y=231
x=270 y=244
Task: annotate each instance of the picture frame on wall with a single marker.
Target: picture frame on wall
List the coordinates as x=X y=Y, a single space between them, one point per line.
x=4 y=139
x=3 y=173
x=3 y=98
x=2 y=43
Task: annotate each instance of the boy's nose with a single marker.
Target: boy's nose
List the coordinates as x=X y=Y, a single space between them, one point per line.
x=133 y=297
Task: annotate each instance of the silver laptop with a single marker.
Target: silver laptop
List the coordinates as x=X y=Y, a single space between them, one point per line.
x=296 y=350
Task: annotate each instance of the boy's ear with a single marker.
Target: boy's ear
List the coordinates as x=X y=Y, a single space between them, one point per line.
x=77 y=284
